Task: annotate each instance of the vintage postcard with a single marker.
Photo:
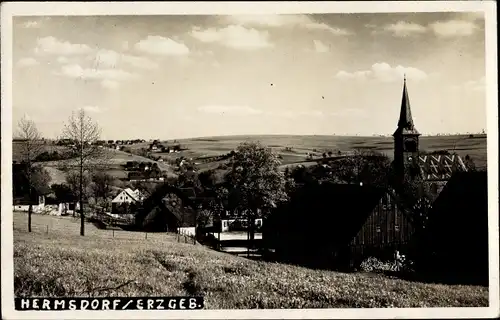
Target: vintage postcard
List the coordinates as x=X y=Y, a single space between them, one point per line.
x=249 y=160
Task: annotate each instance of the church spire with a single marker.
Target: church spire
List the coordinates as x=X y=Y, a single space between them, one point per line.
x=405 y=123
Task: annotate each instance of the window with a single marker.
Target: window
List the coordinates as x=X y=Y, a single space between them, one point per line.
x=410 y=146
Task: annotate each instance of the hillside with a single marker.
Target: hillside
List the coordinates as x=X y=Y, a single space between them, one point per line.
x=57 y=264
x=115 y=161
x=300 y=146
x=292 y=149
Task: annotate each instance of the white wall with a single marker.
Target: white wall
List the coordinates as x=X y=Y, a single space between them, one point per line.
x=189 y=231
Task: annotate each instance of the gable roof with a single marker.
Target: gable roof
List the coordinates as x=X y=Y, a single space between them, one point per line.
x=134 y=194
x=458 y=226
x=337 y=211
x=157 y=199
x=436 y=167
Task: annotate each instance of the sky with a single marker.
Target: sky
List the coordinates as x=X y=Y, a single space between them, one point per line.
x=191 y=76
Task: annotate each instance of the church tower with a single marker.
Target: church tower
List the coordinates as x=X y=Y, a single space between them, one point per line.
x=406 y=137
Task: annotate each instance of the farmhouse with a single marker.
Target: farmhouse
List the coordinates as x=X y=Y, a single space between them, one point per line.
x=327 y=224
x=127 y=196
x=168 y=209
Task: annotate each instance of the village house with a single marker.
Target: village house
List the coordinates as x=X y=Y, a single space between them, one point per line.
x=127 y=196
x=342 y=224
x=169 y=209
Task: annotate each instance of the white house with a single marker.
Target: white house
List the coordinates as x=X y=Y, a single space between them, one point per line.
x=23 y=205
x=128 y=196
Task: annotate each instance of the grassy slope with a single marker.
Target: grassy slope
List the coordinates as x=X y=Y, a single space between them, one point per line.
x=116 y=161
x=61 y=263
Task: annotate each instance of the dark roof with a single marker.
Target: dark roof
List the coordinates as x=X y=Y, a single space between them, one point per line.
x=405 y=123
x=465 y=197
x=439 y=166
x=159 y=199
x=189 y=192
x=458 y=225
x=332 y=212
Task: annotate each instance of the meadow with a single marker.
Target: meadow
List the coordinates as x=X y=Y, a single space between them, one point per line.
x=61 y=263
x=298 y=149
x=115 y=160
x=301 y=146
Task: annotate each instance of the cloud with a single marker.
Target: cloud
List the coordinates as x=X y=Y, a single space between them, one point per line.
x=234 y=36
x=31 y=24
x=27 y=62
x=478 y=85
x=383 y=72
x=285 y=20
x=233 y=110
x=112 y=59
x=108 y=78
x=453 y=28
x=320 y=47
x=62 y=60
x=158 y=45
x=325 y=27
x=51 y=45
x=92 y=109
x=110 y=84
x=404 y=29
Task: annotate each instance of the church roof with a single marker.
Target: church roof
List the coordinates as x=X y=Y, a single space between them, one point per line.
x=405 y=123
x=440 y=166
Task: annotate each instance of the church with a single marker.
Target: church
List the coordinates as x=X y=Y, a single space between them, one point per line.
x=339 y=225
x=434 y=169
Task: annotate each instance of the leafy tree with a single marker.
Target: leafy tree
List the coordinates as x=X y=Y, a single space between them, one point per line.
x=256 y=181
x=74 y=181
x=31 y=148
x=63 y=193
x=367 y=167
x=469 y=164
x=101 y=186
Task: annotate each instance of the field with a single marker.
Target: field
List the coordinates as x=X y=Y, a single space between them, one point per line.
x=61 y=263
x=115 y=160
x=300 y=146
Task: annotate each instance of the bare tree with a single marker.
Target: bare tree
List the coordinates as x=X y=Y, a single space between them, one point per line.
x=86 y=154
x=31 y=147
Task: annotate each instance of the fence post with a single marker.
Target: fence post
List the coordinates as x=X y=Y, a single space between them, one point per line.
x=146 y=235
x=47 y=229
x=113 y=233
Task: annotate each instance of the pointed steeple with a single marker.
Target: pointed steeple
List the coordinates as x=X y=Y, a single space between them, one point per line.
x=405 y=123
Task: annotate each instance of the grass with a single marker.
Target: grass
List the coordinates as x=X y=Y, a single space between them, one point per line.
x=61 y=263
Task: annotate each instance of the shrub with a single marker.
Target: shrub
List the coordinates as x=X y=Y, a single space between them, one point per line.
x=372 y=264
